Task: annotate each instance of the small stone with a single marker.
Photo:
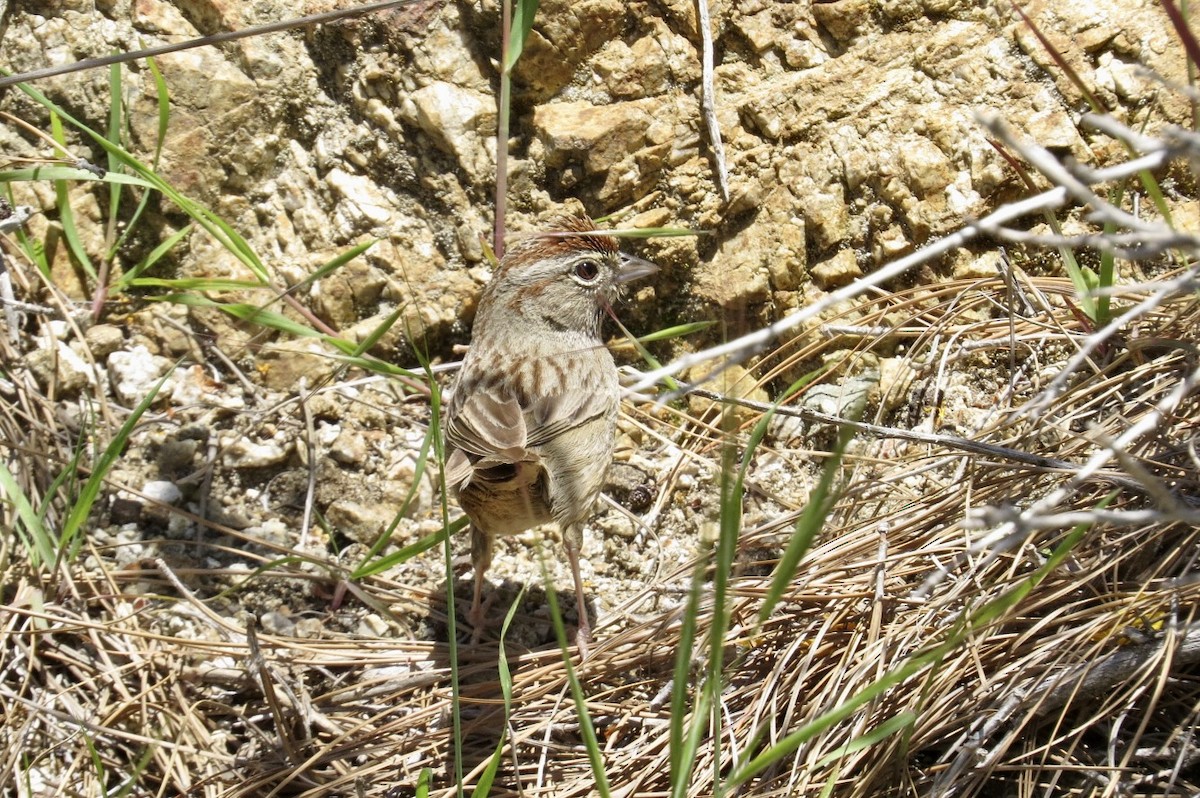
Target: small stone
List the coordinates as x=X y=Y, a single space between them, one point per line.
x=734 y=382
x=803 y=54
x=241 y=452
x=826 y=217
x=841 y=269
x=636 y=71
x=135 y=372
x=59 y=367
x=600 y=136
x=176 y=456
x=361 y=200
x=372 y=626
x=760 y=30
x=1052 y=127
x=349 y=447
x=341 y=298
x=896 y=375
x=282 y=365
x=843 y=19
x=978 y=267
x=125 y=510
x=785 y=429
x=362 y=523
x=103 y=340
x=163 y=492
x=890 y=243
x=565 y=33
x=276 y=623
x=311 y=628
x=787 y=263
x=926 y=168
x=461 y=122
x=193 y=387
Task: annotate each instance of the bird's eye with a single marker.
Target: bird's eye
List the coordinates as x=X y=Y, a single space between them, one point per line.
x=587 y=270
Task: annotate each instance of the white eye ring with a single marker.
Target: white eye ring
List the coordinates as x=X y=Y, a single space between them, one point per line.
x=586 y=271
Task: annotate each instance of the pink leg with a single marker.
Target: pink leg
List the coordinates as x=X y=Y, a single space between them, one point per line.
x=477 y=613
x=481 y=558
x=584 y=635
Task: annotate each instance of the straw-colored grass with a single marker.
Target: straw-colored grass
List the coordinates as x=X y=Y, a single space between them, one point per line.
x=1068 y=665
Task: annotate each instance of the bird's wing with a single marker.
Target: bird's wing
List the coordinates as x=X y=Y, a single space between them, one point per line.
x=483 y=423
x=485 y=436
x=487 y=426
x=551 y=416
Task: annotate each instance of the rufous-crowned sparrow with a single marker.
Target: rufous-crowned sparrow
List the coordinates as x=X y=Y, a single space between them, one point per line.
x=531 y=419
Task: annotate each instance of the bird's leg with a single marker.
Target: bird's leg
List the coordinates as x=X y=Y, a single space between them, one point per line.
x=481 y=558
x=572 y=542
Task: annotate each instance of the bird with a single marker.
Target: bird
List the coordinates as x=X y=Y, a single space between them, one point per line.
x=530 y=422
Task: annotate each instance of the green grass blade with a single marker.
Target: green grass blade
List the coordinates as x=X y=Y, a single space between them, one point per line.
x=435 y=435
x=60 y=172
x=31 y=529
x=811 y=520
x=114 y=135
x=424 y=781
x=163 y=96
x=678 y=331
x=66 y=215
x=82 y=507
x=336 y=263
x=522 y=23
x=643 y=352
x=484 y=786
x=191 y=283
x=732 y=490
x=885 y=730
x=164 y=116
x=379 y=332
x=653 y=232
x=155 y=256
x=255 y=315
x=970 y=623
x=97 y=763
x=683 y=744
x=586 y=730
x=408 y=552
x=216 y=227
x=413 y=489
x=376 y=366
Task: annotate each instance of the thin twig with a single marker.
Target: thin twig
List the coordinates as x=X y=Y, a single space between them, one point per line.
x=750 y=344
x=203 y=41
x=708 y=101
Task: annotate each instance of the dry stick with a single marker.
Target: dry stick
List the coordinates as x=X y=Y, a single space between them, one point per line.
x=1016 y=529
x=708 y=102
x=752 y=343
x=216 y=38
x=502 y=120
x=949 y=441
x=1052 y=167
x=14 y=219
x=1165 y=291
x=266 y=683
x=1083 y=681
x=310 y=448
x=1127 y=246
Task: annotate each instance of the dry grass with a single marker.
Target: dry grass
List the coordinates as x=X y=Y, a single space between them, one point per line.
x=1084 y=682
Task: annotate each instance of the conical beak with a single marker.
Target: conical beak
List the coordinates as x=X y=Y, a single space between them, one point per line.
x=634 y=268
